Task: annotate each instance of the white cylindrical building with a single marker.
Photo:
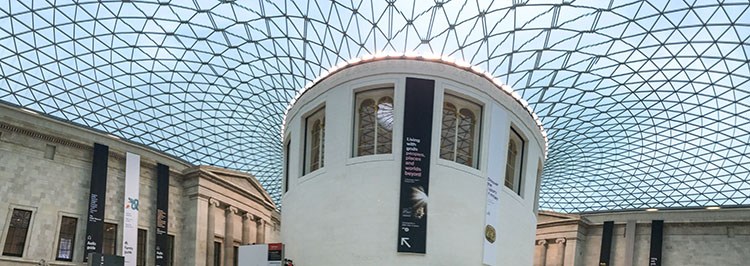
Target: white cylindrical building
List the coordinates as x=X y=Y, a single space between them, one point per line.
x=410 y=161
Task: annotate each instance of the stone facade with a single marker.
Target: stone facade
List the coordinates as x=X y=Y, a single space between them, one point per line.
x=691 y=237
x=56 y=184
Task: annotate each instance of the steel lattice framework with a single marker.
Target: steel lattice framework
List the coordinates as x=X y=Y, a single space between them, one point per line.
x=646 y=103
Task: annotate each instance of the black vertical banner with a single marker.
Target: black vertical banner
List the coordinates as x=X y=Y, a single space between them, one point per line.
x=162 y=217
x=97 y=196
x=606 y=250
x=657 y=231
x=415 y=165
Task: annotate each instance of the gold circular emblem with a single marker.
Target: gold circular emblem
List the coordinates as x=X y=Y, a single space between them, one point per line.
x=489 y=233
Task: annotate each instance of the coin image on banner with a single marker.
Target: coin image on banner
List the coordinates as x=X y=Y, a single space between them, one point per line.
x=489 y=233
x=419 y=199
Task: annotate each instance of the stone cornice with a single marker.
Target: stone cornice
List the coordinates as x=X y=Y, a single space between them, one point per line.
x=203 y=173
x=18 y=120
x=558 y=215
x=45 y=137
x=579 y=222
x=113 y=153
x=234 y=173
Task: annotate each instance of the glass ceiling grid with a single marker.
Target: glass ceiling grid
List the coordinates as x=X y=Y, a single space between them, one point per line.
x=646 y=103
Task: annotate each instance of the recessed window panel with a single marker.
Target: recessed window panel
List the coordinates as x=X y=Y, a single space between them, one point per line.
x=315 y=125
x=110 y=239
x=459 y=135
x=66 y=239
x=141 y=248
x=514 y=162
x=374 y=122
x=15 y=238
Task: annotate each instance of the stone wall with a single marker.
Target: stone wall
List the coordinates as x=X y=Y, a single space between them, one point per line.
x=691 y=237
x=58 y=185
x=233 y=216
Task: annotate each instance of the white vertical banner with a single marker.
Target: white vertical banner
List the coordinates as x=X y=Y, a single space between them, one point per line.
x=491 y=220
x=130 y=215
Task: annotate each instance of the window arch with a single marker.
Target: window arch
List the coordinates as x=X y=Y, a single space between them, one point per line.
x=511 y=163
x=465 y=137
x=374 y=122
x=459 y=138
x=315 y=146
x=514 y=162
x=315 y=141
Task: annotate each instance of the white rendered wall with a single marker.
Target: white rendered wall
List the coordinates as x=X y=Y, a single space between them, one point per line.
x=347 y=211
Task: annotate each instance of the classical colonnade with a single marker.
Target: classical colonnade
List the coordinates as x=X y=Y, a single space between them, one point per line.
x=248 y=220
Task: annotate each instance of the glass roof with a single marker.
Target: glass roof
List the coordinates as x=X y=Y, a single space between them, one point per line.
x=646 y=103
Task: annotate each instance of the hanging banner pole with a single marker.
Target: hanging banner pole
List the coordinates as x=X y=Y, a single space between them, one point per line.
x=415 y=165
x=162 y=214
x=130 y=210
x=97 y=197
x=657 y=233
x=606 y=251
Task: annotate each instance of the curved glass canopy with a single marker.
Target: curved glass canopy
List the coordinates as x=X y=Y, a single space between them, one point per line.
x=646 y=103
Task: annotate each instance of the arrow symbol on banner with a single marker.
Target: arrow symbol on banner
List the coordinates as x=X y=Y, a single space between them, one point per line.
x=404 y=241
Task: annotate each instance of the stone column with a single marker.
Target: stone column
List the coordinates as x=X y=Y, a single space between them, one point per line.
x=540 y=253
x=260 y=233
x=229 y=236
x=247 y=218
x=210 y=227
x=571 y=251
x=629 y=242
x=560 y=250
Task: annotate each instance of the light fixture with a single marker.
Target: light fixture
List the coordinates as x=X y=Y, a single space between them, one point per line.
x=411 y=54
x=651 y=209
x=713 y=208
x=29 y=111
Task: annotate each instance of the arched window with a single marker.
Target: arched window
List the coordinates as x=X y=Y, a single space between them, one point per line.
x=448 y=133
x=511 y=164
x=385 y=125
x=459 y=138
x=366 y=130
x=465 y=137
x=315 y=146
x=374 y=122
x=514 y=163
x=315 y=141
